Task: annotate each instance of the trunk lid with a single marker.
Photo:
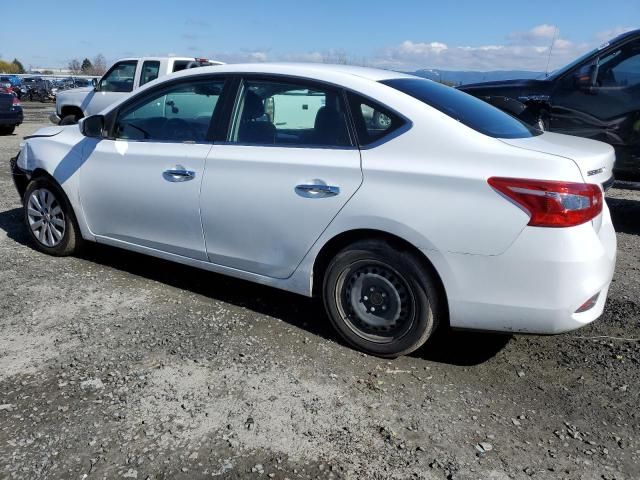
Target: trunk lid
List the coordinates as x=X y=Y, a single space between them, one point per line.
x=594 y=159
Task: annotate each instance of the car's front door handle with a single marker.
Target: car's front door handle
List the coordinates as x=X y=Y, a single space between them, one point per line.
x=178 y=174
x=316 y=190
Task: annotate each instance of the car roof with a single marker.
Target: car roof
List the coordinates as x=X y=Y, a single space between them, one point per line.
x=319 y=71
x=180 y=59
x=625 y=35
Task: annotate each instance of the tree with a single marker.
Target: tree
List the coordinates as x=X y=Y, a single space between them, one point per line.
x=6 y=67
x=87 y=66
x=18 y=65
x=99 y=65
x=75 y=66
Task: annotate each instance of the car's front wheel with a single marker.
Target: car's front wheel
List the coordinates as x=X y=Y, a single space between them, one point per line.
x=69 y=120
x=381 y=300
x=50 y=219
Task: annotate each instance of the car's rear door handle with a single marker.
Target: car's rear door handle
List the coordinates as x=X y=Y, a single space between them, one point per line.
x=178 y=174
x=316 y=190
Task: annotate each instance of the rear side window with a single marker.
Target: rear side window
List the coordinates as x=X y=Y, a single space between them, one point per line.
x=150 y=70
x=373 y=121
x=468 y=110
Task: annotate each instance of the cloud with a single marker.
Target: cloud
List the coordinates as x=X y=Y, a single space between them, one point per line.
x=196 y=22
x=528 y=50
x=243 y=56
x=606 y=35
x=539 y=33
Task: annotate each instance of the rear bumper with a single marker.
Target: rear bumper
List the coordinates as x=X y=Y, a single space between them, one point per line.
x=11 y=118
x=537 y=285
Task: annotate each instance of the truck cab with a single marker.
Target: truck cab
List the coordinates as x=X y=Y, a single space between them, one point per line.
x=123 y=77
x=597 y=96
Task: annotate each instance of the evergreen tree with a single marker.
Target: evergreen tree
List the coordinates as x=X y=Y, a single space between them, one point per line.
x=18 y=65
x=87 y=66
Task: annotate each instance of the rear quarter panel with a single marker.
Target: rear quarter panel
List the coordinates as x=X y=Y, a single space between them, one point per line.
x=429 y=186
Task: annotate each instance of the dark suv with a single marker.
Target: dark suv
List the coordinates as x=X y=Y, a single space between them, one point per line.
x=597 y=96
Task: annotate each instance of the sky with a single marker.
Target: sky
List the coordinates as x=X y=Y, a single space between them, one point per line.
x=396 y=34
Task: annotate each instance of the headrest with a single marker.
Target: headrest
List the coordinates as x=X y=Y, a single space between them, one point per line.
x=253 y=106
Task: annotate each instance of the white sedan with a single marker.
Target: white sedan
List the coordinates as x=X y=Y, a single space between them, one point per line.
x=407 y=205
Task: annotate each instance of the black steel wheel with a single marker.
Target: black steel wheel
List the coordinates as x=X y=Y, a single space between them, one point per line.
x=381 y=300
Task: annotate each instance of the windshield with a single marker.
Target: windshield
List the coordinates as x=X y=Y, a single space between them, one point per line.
x=566 y=68
x=468 y=110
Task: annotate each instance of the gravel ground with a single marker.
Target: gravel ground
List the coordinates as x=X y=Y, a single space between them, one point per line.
x=116 y=365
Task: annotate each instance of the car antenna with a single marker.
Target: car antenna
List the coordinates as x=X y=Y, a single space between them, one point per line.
x=553 y=42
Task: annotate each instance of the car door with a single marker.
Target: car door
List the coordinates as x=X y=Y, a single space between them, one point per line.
x=601 y=100
x=287 y=167
x=594 y=99
x=142 y=185
x=114 y=85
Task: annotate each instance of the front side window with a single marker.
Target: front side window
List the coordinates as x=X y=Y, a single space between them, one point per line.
x=468 y=110
x=119 y=78
x=180 y=113
x=289 y=114
x=150 y=71
x=621 y=68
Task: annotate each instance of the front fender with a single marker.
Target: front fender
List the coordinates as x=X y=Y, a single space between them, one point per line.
x=61 y=157
x=78 y=98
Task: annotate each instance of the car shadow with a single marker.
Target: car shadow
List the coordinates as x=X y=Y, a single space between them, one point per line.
x=11 y=223
x=463 y=348
x=625 y=215
x=450 y=347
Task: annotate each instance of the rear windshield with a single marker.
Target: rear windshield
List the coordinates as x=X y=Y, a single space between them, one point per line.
x=469 y=110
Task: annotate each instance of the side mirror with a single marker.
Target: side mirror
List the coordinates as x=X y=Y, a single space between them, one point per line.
x=585 y=78
x=92 y=126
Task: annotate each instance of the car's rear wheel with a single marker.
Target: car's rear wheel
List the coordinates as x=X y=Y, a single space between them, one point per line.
x=7 y=130
x=381 y=300
x=50 y=219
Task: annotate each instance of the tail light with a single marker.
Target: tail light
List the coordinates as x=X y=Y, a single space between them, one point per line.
x=16 y=102
x=551 y=203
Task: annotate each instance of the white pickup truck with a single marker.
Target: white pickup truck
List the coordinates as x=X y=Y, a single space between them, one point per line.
x=123 y=77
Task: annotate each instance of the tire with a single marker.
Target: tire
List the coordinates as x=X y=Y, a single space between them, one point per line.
x=8 y=130
x=370 y=275
x=69 y=120
x=63 y=237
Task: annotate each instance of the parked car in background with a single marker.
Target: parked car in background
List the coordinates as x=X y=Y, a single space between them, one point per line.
x=121 y=79
x=41 y=89
x=11 y=114
x=11 y=83
x=444 y=211
x=6 y=82
x=597 y=96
